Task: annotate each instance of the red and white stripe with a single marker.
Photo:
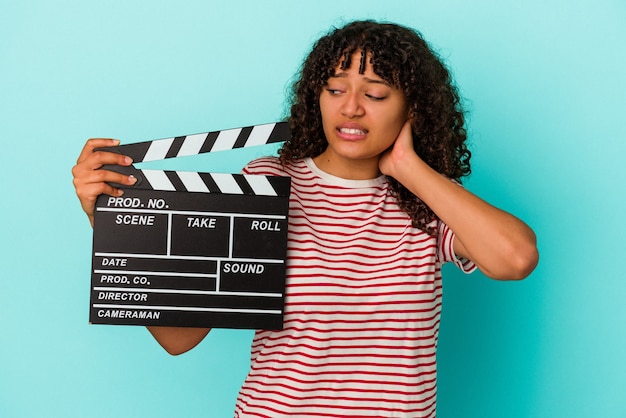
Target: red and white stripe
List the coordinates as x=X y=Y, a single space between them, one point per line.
x=363 y=304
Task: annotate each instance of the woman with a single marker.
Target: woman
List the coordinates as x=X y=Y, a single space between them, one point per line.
x=376 y=157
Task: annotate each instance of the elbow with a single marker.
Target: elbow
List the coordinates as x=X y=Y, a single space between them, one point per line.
x=178 y=346
x=174 y=349
x=172 y=346
x=176 y=341
x=522 y=261
x=516 y=262
x=524 y=264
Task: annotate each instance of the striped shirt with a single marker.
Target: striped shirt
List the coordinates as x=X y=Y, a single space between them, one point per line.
x=362 y=305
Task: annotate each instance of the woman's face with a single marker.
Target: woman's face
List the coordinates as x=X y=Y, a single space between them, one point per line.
x=362 y=116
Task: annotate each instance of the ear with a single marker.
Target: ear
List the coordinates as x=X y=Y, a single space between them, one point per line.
x=410 y=119
x=410 y=115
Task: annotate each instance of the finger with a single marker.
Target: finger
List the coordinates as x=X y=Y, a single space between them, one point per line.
x=98 y=159
x=89 y=193
x=93 y=143
x=89 y=188
x=101 y=178
x=406 y=131
x=89 y=169
x=405 y=138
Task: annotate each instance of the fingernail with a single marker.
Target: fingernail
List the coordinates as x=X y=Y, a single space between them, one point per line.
x=128 y=160
x=132 y=179
x=120 y=192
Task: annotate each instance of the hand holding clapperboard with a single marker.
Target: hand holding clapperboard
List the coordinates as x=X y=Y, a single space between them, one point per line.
x=192 y=249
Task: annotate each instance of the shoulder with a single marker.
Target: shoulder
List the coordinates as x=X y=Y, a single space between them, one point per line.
x=271 y=166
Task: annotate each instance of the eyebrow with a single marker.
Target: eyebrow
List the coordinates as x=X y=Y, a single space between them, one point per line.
x=367 y=79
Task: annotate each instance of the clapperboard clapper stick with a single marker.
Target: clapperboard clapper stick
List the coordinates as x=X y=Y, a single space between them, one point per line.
x=192 y=249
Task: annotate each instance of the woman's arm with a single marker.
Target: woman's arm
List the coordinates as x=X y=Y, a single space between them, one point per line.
x=502 y=246
x=178 y=340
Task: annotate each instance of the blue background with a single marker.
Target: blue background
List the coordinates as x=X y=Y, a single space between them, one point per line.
x=545 y=87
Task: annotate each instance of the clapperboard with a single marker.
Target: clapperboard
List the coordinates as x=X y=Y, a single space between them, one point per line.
x=192 y=249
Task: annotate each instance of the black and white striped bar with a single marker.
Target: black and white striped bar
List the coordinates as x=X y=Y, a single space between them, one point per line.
x=190 y=181
x=187 y=145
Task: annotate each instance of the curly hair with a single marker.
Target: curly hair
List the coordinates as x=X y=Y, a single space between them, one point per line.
x=401 y=57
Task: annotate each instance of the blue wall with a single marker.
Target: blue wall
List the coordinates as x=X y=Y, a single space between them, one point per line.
x=545 y=84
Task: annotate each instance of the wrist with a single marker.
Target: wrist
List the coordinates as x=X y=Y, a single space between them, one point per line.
x=411 y=167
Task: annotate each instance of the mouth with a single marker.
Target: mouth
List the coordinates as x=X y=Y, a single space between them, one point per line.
x=352 y=131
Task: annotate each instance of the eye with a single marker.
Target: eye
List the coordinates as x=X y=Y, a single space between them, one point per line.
x=375 y=97
x=333 y=92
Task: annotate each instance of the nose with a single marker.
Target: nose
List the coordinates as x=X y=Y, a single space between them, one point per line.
x=352 y=106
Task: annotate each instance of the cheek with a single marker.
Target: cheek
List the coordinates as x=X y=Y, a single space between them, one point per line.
x=393 y=128
x=325 y=117
x=400 y=120
x=394 y=125
x=326 y=106
x=390 y=140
